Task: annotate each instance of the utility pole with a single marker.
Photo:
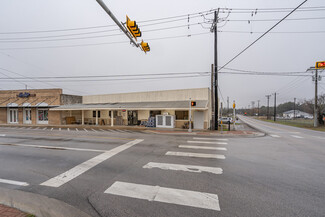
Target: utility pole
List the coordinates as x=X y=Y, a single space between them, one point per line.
x=216 y=67
x=227 y=106
x=268 y=107
x=315 y=104
x=294 y=108
x=213 y=124
x=190 y=117
x=253 y=108
x=275 y=106
x=258 y=107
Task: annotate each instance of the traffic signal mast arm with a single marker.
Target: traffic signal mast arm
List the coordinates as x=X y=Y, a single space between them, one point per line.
x=102 y=4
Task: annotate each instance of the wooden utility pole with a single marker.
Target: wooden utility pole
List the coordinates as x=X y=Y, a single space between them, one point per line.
x=268 y=107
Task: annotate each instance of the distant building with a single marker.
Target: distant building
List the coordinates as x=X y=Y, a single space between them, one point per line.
x=297 y=114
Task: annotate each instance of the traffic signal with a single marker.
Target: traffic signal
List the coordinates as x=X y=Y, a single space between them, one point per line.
x=193 y=103
x=145 y=46
x=320 y=65
x=133 y=28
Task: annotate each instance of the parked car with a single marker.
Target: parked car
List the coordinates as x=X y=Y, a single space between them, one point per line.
x=226 y=120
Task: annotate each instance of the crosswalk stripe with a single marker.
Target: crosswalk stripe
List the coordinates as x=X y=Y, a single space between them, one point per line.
x=298 y=137
x=59 y=129
x=77 y=129
x=44 y=128
x=102 y=130
x=87 y=165
x=36 y=128
x=12 y=182
x=186 y=168
x=199 y=155
x=275 y=136
x=93 y=130
x=206 y=142
x=68 y=129
x=203 y=147
x=204 y=138
x=121 y=131
x=51 y=128
x=85 y=130
x=165 y=195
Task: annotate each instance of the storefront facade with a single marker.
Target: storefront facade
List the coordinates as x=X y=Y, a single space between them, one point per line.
x=31 y=107
x=129 y=109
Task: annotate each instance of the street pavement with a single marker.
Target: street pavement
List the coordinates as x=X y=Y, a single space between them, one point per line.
x=128 y=173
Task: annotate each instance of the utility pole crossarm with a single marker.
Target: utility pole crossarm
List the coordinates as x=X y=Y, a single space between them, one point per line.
x=102 y=4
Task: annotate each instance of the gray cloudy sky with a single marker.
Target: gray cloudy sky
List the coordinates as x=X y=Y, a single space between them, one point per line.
x=93 y=50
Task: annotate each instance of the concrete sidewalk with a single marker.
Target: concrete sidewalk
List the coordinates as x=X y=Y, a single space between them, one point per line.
x=35 y=204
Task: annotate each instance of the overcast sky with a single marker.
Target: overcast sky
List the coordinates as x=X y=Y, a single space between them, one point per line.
x=77 y=38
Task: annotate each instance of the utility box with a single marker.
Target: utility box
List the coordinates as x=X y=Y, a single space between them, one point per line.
x=165 y=121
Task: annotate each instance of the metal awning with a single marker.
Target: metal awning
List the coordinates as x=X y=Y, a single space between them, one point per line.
x=172 y=105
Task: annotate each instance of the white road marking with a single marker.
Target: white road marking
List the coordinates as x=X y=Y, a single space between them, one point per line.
x=68 y=129
x=186 y=168
x=203 y=138
x=298 y=137
x=12 y=182
x=59 y=129
x=200 y=155
x=85 y=166
x=121 y=131
x=102 y=130
x=45 y=128
x=56 y=147
x=51 y=128
x=2 y=134
x=77 y=129
x=275 y=136
x=29 y=128
x=85 y=130
x=202 y=147
x=94 y=130
x=165 y=195
x=36 y=128
x=206 y=142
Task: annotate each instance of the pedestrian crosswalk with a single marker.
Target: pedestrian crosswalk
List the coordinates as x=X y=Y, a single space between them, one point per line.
x=185 y=197
x=85 y=129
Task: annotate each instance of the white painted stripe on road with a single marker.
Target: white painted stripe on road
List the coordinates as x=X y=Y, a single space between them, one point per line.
x=275 y=136
x=93 y=130
x=202 y=147
x=102 y=130
x=206 y=142
x=59 y=129
x=298 y=137
x=36 y=128
x=186 y=168
x=204 y=138
x=68 y=129
x=55 y=147
x=12 y=182
x=44 y=128
x=165 y=195
x=200 y=155
x=2 y=134
x=85 y=166
x=77 y=129
x=51 y=128
x=120 y=131
x=85 y=130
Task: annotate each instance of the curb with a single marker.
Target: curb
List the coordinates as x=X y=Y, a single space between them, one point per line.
x=212 y=134
x=38 y=205
x=255 y=128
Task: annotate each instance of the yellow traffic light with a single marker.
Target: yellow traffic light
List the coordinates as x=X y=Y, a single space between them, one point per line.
x=145 y=46
x=133 y=28
x=320 y=65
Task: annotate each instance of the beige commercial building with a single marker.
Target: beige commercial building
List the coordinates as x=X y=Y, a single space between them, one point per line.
x=31 y=107
x=168 y=108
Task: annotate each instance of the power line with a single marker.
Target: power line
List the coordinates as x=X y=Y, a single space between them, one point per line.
x=263 y=34
x=271 y=20
x=300 y=32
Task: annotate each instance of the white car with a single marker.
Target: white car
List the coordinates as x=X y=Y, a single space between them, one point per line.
x=226 y=120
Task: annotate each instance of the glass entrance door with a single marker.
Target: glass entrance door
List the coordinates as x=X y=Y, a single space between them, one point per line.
x=27 y=116
x=13 y=116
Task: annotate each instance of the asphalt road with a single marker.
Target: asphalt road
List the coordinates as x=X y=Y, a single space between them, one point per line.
x=125 y=173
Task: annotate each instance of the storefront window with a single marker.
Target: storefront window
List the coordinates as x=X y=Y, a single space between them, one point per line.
x=43 y=115
x=181 y=115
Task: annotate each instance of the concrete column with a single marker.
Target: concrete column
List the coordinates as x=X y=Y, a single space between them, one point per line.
x=112 y=118
x=82 y=117
x=96 y=117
